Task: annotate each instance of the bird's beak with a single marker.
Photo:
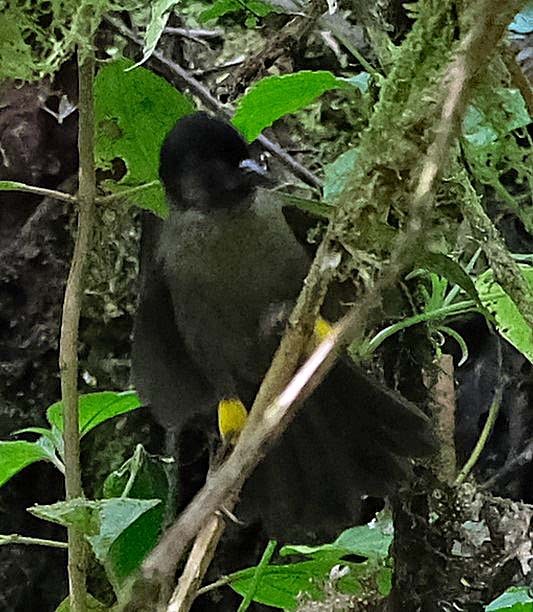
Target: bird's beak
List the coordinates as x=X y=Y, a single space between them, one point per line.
x=253 y=167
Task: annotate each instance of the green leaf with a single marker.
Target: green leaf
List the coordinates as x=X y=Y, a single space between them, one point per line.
x=143 y=476
x=275 y=96
x=281 y=585
x=372 y=541
x=101 y=521
x=337 y=173
x=134 y=111
x=225 y=7
x=515 y=599
x=523 y=22
x=159 y=13
x=91 y=605
x=16 y=455
x=219 y=9
x=11 y=186
x=95 y=408
x=15 y=53
x=52 y=436
x=448 y=268
x=510 y=323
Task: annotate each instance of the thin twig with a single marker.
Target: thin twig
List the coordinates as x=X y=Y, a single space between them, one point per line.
x=203 y=93
x=194 y=33
x=198 y=561
x=15 y=538
x=223 y=581
x=68 y=347
x=124 y=194
x=46 y=193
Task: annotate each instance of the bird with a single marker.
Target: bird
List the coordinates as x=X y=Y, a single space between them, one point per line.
x=218 y=278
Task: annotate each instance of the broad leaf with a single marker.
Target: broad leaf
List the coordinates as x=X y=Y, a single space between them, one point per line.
x=101 y=521
x=95 y=408
x=16 y=455
x=134 y=111
x=510 y=323
x=515 y=599
x=281 y=585
x=276 y=96
x=143 y=476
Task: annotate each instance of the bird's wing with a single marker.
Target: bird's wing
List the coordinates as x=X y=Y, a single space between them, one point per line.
x=164 y=374
x=353 y=436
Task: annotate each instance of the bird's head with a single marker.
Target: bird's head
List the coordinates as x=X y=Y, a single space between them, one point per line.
x=205 y=164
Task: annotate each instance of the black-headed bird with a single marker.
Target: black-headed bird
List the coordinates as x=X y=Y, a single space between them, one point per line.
x=217 y=277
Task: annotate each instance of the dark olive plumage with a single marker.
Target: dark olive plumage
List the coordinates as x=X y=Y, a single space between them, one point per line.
x=214 y=277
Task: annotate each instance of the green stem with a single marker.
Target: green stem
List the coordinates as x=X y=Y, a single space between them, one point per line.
x=259 y=571
x=480 y=445
x=15 y=538
x=46 y=193
x=439 y=313
x=126 y=193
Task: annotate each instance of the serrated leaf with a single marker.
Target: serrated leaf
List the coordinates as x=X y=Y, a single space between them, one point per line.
x=95 y=408
x=134 y=111
x=276 y=96
x=159 y=13
x=510 y=323
x=337 y=173
x=78 y=512
x=16 y=455
x=515 y=599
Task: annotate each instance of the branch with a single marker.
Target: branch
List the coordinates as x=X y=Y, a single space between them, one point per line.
x=199 y=560
x=15 y=538
x=506 y=269
x=519 y=79
x=269 y=418
x=213 y=104
x=194 y=34
x=68 y=346
x=46 y=193
x=442 y=394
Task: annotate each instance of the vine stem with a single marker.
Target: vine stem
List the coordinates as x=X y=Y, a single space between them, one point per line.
x=485 y=434
x=68 y=348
